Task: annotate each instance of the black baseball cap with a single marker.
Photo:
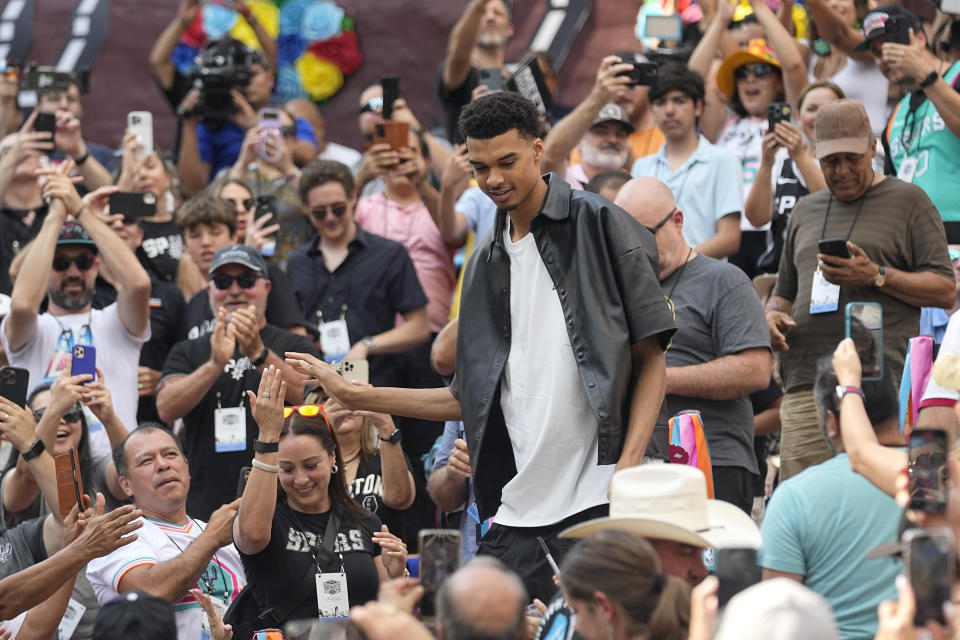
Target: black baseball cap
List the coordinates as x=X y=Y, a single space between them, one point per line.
x=875 y=24
x=135 y=614
x=239 y=254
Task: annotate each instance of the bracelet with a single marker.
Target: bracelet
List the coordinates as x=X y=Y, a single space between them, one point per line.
x=263 y=466
x=406 y=574
x=932 y=77
x=79 y=161
x=260 y=446
x=260 y=359
x=34 y=451
x=85 y=207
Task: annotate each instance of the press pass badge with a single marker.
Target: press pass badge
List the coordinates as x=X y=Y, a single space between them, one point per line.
x=907 y=170
x=824 y=296
x=332 y=599
x=334 y=340
x=70 y=620
x=230 y=429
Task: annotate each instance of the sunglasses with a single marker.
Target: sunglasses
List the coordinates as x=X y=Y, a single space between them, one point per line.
x=321 y=212
x=372 y=105
x=224 y=281
x=246 y=203
x=307 y=411
x=83 y=261
x=288 y=132
x=660 y=224
x=70 y=416
x=758 y=69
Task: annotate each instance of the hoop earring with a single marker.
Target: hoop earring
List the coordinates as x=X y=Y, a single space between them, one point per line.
x=335 y=469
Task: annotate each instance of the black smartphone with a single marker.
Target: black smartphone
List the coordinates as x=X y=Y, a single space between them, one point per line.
x=491 y=77
x=930 y=565
x=133 y=204
x=778 y=112
x=835 y=247
x=266 y=205
x=14 y=382
x=45 y=121
x=895 y=31
x=927 y=470
x=242 y=480
x=439 y=557
x=391 y=92
x=736 y=570
x=643 y=73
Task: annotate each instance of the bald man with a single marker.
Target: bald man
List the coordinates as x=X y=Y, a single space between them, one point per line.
x=483 y=599
x=721 y=351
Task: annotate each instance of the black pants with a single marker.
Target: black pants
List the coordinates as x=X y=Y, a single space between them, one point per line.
x=734 y=485
x=517 y=547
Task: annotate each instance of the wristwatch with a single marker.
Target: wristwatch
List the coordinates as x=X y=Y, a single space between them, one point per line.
x=394 y=437
x=881 y=278
x=259 y=446
x=34 y=451
x=261 y=358
x=371 y=345
x=843 y=390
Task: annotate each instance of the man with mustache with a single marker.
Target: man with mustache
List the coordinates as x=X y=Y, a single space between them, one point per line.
x=62 y=265
x=604 y=147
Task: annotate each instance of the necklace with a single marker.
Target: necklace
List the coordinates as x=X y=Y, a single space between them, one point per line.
x=355 y=456
x=680 y=274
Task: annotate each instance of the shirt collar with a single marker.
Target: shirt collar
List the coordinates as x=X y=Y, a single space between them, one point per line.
x=699 y=154
x=362 y=239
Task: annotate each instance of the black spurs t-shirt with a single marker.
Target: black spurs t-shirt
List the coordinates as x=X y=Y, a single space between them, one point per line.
x=367 y=489
x=278 y=570
x=214 y=475
x=161 y=249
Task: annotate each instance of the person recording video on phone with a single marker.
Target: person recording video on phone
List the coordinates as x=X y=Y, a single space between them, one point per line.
x=898 y=258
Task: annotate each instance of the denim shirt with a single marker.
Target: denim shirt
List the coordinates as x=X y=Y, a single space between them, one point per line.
x=604 y=266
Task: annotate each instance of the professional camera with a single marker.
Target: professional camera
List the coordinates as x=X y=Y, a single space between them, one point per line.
x=225 y=65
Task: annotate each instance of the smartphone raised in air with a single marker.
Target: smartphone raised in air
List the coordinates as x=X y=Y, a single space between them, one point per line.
x=927 y=469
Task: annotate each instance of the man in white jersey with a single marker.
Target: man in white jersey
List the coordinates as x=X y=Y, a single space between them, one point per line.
x=174 y=553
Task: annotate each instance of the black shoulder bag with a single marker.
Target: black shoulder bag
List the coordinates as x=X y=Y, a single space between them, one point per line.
x=244 y=613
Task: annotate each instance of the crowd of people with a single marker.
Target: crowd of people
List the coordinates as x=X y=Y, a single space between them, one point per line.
x=608 y=351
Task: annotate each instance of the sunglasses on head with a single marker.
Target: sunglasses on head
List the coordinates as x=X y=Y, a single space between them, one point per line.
x=337 y=209
x=246 y=203
x=83 y=261
x=758 y=69
x=307 y=411
x=224 y=281
x=372 y=105
x=70 y=416
x=660 y=224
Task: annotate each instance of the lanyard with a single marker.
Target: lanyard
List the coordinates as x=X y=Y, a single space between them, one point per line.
x=679 y=275
x=386 y=221
x=207 y=581
x=316 y=554
x=863 y=199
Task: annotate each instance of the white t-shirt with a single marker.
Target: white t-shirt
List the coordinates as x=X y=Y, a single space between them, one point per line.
x=744 y=138
x=161 y=541
x=118 y=354
x=863 y=81
x=551 y=425
x=949 y=346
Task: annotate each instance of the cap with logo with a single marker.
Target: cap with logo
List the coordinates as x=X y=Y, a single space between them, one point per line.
x=239 y=254
x=875 y=24
x=612 y=112
x=842 y=126
x=73 y=235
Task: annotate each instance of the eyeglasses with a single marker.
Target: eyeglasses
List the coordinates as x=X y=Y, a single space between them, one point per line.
x=224 y=281
x=660 y=224
x=72 y=416
x=758 y=69
x=307 y=411
x=372 y=105
x=338 y=209
x=246 y=203
x=83 y=261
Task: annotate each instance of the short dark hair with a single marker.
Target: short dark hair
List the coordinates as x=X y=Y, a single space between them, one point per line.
x=879 y=396
x=614 y=178
x=119 y=451
x=677 y=77
x=320 y=172
x=496 y=113
x=206 y=208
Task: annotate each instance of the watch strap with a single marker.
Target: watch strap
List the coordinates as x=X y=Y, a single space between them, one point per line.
x=262 y=357
x=260 y=446
x=79 y=161
x=34 y=451
x=843 y=390
x=930 y=79
x=393 y=438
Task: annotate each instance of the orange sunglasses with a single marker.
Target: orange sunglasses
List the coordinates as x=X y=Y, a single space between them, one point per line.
x=307 y=411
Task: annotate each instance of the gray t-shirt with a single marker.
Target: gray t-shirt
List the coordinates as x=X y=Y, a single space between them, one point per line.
x=21 y=547
x=718 y=314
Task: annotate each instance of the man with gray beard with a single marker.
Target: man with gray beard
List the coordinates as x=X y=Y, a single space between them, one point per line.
x=61 y=265
x=604 y=147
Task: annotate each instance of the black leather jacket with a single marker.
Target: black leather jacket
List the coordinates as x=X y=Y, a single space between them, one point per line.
x=604 y=267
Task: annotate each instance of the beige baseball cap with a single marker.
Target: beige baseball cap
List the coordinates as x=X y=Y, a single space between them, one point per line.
x=842 y=127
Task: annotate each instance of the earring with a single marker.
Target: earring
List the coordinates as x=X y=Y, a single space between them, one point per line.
x=335 y=468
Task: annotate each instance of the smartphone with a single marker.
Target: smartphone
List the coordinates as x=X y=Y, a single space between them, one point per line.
x=242 y=480
x=736 y=570
x=356 y=369
x=396 y=134
x=69 y=482
x=270 y=119
x=929 y=563
x=141 y=123
x=928 y=470
x=84 y=361
x=778 y=112
x=439 y=558
x=643 y=73
x=391 y=92
x=14 y=382
x=45 y=121
x=133 y=204
x=835 y=247
x=491 y=77
x=895 y=31
x=864 y=324
x=663 y=27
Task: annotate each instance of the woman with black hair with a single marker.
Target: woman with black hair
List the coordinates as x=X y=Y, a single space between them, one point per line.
x=281 y=526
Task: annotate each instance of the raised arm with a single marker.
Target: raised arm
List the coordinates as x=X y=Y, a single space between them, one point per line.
x=453 y=225
x=267 y=43
x=398 y=488
x=758 y=206
x=414 y=330
x=460 y=45
x=16 y=424
x=162 y=50
x=702 y=60
x=791 y=61
x=834 y=30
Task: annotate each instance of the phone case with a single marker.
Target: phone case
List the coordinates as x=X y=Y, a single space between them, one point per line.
x=69 y=481
x=84 y=361
x=14 y=382
x=356 y=370
x=141 y=123
x=45 y=121
x=849 y=333
x=133 y=204
x=928 y=562
x=396 y=134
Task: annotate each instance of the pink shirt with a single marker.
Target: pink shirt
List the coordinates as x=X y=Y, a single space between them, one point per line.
x=413 y=227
